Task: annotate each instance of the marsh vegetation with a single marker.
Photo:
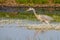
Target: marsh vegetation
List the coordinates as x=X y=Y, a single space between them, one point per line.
x=27 y=15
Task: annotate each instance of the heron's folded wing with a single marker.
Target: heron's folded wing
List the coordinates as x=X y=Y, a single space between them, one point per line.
x=46 y=17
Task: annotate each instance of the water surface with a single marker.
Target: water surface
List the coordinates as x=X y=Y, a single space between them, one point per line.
x=14 y=31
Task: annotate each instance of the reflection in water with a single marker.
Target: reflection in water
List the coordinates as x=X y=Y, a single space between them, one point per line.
x=14 y=31
x=23 y=34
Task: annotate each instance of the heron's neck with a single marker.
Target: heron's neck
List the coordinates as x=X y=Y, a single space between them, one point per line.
x=35 y=13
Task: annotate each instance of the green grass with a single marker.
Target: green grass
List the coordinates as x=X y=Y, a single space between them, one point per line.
x=57 y=1
x=40 y=1
x=2 y=1
x=28 y=16
x=32 y=1
x=22 y=1
x=36 y=1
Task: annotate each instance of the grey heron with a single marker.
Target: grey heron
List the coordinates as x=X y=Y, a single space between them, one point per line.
x=42 y=18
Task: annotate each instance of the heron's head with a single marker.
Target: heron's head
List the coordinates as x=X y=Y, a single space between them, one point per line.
x=30 y=9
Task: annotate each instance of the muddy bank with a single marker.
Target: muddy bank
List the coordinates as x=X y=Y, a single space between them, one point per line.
x=35 y=5
x=4 y=8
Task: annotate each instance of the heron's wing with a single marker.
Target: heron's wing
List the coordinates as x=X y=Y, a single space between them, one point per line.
x=46 y=17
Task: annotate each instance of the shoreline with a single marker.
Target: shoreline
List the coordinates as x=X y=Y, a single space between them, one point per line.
x=35 y=5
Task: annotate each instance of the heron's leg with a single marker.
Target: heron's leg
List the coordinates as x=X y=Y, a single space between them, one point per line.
x=44 y=23
x=48 y=23
x=37 y=33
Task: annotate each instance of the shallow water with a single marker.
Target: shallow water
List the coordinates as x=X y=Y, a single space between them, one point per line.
x=16 y=31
